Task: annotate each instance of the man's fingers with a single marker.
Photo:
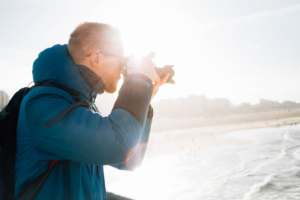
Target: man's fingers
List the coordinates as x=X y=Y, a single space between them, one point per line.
x=150 y=55
x=157 y=79
x=164 y=79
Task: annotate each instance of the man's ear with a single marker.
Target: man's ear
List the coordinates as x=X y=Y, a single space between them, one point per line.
x=96 y=59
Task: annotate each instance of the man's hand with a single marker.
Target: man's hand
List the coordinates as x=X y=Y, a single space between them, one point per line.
x=142 y=65
x=159 y=82
x=145 y=66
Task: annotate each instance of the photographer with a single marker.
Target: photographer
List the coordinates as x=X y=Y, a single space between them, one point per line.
x=83 y=140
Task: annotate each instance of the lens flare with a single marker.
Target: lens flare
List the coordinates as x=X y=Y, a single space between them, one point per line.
x=135 y=156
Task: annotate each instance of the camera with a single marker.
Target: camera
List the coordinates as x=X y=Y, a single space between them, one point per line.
x=161 y=71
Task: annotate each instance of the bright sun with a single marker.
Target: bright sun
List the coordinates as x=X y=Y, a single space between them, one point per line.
x=146 y=28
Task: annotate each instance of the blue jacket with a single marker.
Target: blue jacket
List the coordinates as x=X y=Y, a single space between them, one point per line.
x=83 y=140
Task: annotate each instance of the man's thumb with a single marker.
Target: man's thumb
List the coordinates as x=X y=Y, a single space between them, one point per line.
x=150 y=55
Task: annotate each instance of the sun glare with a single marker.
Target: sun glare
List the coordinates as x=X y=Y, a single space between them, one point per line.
x=148 y=28
x=177 y=39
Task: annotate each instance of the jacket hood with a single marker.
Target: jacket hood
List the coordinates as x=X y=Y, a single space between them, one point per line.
x=55 y=65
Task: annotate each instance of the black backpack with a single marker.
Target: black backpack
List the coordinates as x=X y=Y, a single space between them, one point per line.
x=8 y=129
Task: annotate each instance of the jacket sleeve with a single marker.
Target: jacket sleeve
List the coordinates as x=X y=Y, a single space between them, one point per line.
x=136 y=155
x=83 y=135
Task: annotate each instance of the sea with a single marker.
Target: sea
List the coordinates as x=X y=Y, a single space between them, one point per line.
x=267 y=168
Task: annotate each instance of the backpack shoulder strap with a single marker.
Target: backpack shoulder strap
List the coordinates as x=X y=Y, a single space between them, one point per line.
x=60 y=115
x=86 y=103
x=34 y=187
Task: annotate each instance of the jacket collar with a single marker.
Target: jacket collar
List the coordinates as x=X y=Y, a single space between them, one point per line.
x=94 y=81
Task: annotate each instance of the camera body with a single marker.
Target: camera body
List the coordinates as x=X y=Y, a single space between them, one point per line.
x=161 y=71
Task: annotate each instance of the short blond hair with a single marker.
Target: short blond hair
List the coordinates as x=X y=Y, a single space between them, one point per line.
x=90 y=36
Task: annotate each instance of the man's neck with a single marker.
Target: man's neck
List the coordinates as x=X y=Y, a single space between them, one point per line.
x=92 y=78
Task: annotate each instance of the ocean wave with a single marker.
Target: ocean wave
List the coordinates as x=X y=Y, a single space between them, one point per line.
x=255 y=189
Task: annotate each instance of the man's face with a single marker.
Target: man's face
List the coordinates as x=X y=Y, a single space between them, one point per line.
x=112 y=68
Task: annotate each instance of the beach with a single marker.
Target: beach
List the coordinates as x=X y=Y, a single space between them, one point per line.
x=199 y=158
x=167 y=135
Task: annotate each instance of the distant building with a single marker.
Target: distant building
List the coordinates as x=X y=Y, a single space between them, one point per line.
x=191 y=106
x=194 y=102
x=4 y=99
x=245 y=107
x=221 y=104
x=263 y=103
x=289 y=105
x=267 y=104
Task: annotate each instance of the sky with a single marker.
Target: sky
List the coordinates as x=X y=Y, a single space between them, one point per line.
x=242 y=50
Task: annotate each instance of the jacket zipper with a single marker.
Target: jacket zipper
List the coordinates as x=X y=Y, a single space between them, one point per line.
x=93 y=182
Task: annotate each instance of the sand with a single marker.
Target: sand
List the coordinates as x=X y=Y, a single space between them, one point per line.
x=175 y=135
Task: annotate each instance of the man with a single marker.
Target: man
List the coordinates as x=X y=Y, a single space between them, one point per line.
x=83 y=140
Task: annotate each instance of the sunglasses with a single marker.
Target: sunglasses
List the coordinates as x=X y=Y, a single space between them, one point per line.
x=106 y=53
x=123 y=59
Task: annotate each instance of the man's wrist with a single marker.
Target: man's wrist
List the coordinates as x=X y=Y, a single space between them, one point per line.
x=129 y=77
x=135 y=96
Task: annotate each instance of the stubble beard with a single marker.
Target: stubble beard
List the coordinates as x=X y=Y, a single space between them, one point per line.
x=110 y=80
x=111 y=85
